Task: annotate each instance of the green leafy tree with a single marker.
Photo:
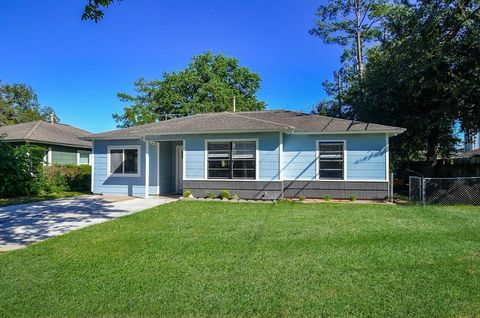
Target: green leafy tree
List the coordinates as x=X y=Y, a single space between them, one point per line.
x=21 y=170
x=424 y=77
x=208 y=84
x=94 y=9
x=19 y=104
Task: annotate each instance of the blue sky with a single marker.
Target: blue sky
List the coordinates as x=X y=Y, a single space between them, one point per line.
x=77 y=66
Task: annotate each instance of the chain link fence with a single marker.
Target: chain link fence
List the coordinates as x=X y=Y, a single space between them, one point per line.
x=446 y=191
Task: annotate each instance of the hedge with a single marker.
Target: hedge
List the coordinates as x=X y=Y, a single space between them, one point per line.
x=23 y=173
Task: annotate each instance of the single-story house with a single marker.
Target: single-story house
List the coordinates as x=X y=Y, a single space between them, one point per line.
x=62 y=142
x=256 y=155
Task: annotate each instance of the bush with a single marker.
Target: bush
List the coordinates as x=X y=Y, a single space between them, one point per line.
x=21 y=170
x=210 y=195
x=353 y=198
x=327 y=197
x=301 y=198
x=225 y=194
x=69 y=178
x=187 y=193
x=235 y=197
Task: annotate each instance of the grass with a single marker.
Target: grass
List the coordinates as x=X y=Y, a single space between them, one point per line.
x=289 y=259
x=20 y=200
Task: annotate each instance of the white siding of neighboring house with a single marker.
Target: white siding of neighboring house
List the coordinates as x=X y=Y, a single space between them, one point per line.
x=475 y=144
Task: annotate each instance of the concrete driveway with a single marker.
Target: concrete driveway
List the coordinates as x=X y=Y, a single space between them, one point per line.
x=24 y=224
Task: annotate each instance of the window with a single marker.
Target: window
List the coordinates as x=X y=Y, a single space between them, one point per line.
x=124 y=160
x=232 y=160
x=330 y=160
x=83 y=157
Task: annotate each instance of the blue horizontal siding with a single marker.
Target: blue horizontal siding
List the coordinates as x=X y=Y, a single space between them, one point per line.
x=366 y=156
x=268 y=144
x=117 y=185
x=366 y=159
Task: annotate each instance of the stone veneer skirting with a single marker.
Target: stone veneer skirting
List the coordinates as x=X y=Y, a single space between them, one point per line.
x=272 y=190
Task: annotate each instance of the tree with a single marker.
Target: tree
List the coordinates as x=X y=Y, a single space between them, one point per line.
x=208 y=84
x=19 y=104
x=334 y=105
x=94 y=9
x=351 y=24
x=422 y=77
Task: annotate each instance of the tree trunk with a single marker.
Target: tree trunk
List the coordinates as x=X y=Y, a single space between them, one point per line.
x=358 y=40
x=432 y=144
x=339 y=93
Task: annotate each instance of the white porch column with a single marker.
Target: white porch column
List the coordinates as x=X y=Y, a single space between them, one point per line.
x=147 y=168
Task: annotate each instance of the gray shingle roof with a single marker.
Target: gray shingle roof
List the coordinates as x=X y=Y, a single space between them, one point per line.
x=46 y=133
x=273 y=120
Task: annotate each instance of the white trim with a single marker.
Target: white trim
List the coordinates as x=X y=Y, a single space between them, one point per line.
x=177 y=147
x=92 y=163
x=124 y=147
x=387 y=158
x=257 y=157
x=147 y=168
x=78 y=157
x=158 y=168
x=317 y=159
x=280 y=156
x=184 y=160
x=49 y=156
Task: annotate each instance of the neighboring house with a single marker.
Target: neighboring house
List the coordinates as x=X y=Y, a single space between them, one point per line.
x=257 y=155
x=475 y=144
x=62 y=142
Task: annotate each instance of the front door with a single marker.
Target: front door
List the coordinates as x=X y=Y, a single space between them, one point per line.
x=179 y=169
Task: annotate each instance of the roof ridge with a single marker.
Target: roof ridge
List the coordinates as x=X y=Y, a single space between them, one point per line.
x=263 y=120
x=32 y=129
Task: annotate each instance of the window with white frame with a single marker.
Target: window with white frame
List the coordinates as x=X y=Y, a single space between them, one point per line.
x=331 y=160
x=231 y=160
x=124 y=160
x=83 y=157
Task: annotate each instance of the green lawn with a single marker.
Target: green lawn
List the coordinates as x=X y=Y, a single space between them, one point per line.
x=52 y=196
x=290 y=259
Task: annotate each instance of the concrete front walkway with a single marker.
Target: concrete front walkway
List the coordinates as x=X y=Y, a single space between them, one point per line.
x=21 y=225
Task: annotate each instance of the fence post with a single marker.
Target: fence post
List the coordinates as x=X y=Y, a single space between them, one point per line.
x=423 y=191
x=391 y=187
x=410 y=188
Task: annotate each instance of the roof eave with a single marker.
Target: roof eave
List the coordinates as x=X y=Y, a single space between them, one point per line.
x=349 y=132
x=48 y=143
x=189 y=133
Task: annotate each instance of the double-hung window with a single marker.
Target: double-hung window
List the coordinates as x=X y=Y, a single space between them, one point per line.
x=124 y=160
x=231 y=160
x=331 y=160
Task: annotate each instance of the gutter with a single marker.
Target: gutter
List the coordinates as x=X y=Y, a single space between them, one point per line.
x=49 y=143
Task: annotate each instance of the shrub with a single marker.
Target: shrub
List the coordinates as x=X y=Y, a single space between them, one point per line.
x=210 y=195
x=225 y=194
x=301 y=198
x=21 y=170
x=327 y=197
x=235 y=197
x=69 y=178
x=187 y=193
x=353 y=198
